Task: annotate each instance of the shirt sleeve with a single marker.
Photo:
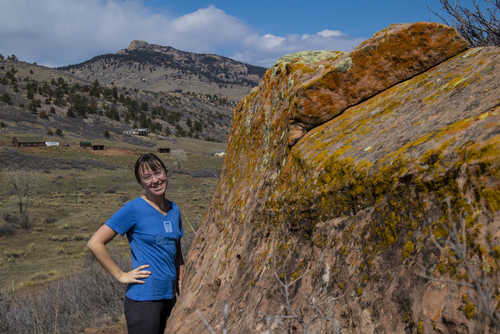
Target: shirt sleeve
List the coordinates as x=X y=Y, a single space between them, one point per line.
x=122 y=220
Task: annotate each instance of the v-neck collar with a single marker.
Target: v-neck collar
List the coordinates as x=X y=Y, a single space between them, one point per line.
x=155 y=207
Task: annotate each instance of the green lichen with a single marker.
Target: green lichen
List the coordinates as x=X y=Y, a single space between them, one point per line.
x=471 y=52
x=308 y=57
x=344 y=64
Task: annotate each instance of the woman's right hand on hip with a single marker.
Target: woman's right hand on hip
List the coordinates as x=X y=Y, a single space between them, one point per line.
x=133 y=276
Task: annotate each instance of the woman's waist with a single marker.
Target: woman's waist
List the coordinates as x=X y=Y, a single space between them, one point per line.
x=153 y=288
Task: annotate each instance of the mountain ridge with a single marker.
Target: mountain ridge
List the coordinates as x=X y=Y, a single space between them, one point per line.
x=163 y=68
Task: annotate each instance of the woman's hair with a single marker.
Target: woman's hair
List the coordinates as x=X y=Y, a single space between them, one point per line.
x=150 y=160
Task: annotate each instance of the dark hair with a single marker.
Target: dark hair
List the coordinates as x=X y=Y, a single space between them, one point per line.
x=152 y=161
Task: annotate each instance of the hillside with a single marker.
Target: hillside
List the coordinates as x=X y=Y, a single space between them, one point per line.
x=360 y=193
x=162 y=68
x=40 y=100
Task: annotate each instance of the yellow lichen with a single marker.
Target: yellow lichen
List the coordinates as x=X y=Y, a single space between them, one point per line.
x=469 y=308
x=420 y=328
x=408 y=249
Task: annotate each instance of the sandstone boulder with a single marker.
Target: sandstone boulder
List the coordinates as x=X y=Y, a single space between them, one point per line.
x=390 y=56
x=359 y=226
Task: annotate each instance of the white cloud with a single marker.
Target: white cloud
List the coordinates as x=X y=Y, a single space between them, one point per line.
x=265 y=50
x=70 y=31
x=330 y=33
x=272 y=42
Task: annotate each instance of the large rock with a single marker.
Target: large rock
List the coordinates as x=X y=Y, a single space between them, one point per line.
x=390 y=56
x=353 y=213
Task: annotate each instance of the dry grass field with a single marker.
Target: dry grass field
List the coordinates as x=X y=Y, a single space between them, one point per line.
x=72 y=191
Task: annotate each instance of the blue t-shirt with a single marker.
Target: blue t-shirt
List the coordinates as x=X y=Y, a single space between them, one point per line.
x=152 y=237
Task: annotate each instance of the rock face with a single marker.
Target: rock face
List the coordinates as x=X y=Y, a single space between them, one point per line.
x=392 y=55
x=360 y=193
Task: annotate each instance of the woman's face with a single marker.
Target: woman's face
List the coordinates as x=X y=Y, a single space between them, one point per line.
x=155 y=181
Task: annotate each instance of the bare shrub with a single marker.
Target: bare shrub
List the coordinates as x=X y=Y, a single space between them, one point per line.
x=64 y=306
x=474 y=269
x=289 y=315
x=6 y=229
x=22 y=184
x=479 y=25
x=50 y=220
x=10 y=219
x=306 y=316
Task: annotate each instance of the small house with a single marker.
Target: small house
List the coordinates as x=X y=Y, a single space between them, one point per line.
x=28 y=141
x=142 y=132
x=137 y=132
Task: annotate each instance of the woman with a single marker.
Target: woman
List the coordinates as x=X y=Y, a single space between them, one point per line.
x=154 y=229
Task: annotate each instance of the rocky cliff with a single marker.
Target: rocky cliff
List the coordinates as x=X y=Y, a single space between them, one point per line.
x=360 y=194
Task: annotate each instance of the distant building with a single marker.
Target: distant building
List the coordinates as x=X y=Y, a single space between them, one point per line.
x=137 y=132
x=143 y=132
x=51 y=143
x=220 y=154
x=28 y=141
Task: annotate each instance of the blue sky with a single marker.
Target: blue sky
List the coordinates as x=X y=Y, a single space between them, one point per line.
x=61 y=32
x=357 y=17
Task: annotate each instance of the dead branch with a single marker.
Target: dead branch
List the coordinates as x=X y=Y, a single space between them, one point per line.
x=479 y=25
x=477 y=280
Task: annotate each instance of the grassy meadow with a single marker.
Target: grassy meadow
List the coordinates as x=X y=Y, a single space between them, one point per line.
x=72 y=191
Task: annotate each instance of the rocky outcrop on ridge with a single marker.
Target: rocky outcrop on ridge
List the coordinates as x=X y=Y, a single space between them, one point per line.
x=164 y=68
x=360 y=193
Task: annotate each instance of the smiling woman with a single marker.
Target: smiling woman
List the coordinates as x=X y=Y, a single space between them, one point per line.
x=154 y=229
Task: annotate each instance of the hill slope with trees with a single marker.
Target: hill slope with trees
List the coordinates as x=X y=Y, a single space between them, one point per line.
x=41 y=100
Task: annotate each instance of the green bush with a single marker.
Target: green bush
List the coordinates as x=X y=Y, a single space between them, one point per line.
x=6 y=98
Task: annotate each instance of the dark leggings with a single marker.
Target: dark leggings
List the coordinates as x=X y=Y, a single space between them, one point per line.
x=147 y=317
